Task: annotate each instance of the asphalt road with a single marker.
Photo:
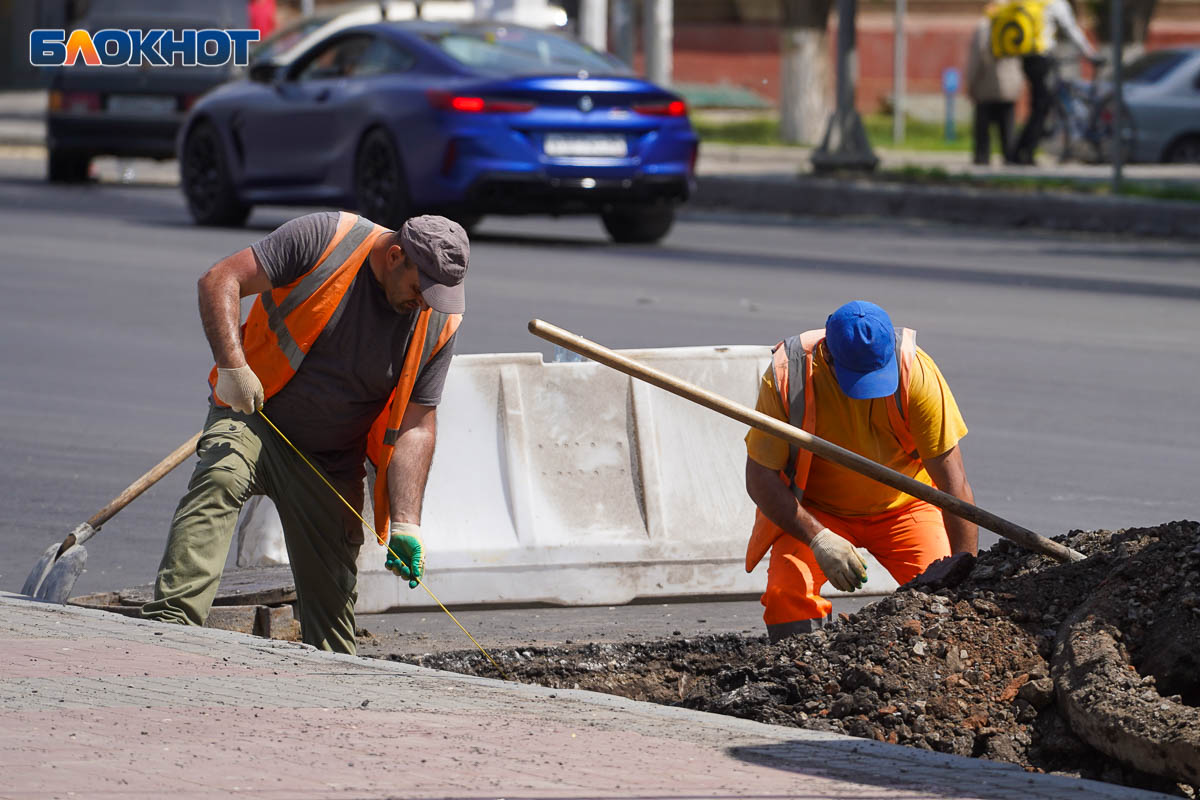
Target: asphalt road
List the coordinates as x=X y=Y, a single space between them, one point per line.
x=1073 y=357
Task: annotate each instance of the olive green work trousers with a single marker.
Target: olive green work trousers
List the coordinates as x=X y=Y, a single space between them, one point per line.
x=240 y=456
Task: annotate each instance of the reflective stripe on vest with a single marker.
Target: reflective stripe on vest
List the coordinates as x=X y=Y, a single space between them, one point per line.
x=792 y=363
x=309 y=285
x=433 y=331
x=284 y=322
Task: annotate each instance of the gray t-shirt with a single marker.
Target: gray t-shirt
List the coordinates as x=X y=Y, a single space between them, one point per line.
x=328 y=406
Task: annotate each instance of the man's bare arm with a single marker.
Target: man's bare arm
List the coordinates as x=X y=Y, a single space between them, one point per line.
x=950 y=476
x=220 y=291
x=777 y=503
x=408 y=470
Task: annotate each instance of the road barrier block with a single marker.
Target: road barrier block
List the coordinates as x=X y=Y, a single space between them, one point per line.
x=572 y=484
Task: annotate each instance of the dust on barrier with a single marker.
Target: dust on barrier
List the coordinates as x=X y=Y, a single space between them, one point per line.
x=970 y=669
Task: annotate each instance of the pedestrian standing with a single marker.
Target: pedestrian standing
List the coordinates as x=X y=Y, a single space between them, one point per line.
x=865 y=386
x=346 y=350
x=993 y=85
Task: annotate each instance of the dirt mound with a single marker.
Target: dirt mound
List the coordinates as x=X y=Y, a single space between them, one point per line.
x=963 y=669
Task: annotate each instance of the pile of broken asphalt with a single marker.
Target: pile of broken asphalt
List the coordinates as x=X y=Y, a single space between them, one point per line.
x=1087 y=669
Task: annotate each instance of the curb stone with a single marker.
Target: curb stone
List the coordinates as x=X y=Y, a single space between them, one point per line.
x=830 y=197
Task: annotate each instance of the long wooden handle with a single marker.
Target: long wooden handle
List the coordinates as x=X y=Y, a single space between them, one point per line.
x=826 y=450
x=176 y=457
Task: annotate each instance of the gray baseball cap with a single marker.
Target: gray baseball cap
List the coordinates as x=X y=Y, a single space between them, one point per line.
x=440 y=249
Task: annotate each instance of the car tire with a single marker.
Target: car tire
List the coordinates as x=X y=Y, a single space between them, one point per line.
x=380 y=186
x=1184 y=151
x=638 y=224
x=64 y=167
x=207 y=185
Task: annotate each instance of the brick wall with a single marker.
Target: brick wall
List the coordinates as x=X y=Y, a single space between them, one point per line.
x=747 y=54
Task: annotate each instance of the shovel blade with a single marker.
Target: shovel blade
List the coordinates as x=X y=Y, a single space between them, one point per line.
x=40 y=569
x=60 y=580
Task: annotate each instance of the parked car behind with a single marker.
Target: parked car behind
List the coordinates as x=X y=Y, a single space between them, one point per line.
x=129 y=111
x=464 y=119
x=1162 y=92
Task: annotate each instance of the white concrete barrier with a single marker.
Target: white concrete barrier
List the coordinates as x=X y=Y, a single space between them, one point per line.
x=571 y=483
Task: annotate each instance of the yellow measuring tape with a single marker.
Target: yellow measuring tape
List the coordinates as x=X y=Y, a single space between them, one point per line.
x=354 y=511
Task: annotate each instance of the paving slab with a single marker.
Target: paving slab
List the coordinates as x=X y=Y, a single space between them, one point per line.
x=99 y=705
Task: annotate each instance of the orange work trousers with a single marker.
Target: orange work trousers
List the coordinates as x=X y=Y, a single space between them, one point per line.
x=905 y=541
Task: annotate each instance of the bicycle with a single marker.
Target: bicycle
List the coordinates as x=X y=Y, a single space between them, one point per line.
x=1082 y=120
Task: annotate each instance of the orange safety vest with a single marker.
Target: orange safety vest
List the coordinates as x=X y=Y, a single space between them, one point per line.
x=284 y=322
x=793 y=356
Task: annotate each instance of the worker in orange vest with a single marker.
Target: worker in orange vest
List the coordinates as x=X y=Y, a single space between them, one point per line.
x=865 y=386
x=346 y=350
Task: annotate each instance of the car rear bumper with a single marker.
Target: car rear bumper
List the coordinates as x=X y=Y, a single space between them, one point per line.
x=96 y=134
x=525 y=193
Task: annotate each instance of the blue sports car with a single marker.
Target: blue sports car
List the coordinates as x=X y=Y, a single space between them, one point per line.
x=462 y=119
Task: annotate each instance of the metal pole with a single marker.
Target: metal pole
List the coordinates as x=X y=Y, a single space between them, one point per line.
x=845 y=145
x=847 y=55
x=899 y=73
x=622 y=29
x=307 y=7
x=657 y=40
x=1117 y=25
x=593 y=23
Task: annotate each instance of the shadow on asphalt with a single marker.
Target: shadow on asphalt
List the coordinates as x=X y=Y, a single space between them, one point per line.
x=846 y=761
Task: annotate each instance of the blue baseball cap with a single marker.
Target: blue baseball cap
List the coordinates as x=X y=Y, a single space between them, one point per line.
x=862 y=341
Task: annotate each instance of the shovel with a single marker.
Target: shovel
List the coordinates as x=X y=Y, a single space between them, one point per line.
x=55 y=573
x=826 y=450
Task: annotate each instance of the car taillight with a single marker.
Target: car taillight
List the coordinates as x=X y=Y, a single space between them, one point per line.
x=74 y=102
x=675 y=108
x=188 y=100
x=467 y=104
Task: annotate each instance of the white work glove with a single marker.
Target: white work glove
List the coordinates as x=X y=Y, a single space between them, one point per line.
x=240 y=388
x=838 y=559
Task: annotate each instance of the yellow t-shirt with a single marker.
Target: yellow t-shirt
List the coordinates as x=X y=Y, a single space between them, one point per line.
x=863 y=427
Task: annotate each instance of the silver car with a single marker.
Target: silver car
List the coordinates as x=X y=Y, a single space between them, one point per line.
x=1162 y=93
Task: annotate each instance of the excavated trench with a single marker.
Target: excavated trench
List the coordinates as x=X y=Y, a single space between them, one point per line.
x=1089 y=669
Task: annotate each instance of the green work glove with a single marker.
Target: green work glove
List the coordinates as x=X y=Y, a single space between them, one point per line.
x=404 y=556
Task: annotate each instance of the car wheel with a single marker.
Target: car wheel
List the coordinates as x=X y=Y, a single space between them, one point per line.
x=1056 y=134
x=380 y=188
x=638 y=225
x=67 y=167
x=1184 y=151
x=207 y=185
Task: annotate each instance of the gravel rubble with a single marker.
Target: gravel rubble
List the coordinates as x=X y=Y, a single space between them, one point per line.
x=960 y=669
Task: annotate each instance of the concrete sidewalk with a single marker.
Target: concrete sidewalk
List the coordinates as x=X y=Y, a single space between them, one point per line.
x=22 y=124
x=101 y=706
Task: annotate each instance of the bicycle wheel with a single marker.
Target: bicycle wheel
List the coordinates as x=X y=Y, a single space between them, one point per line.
x=1056 y=133
x=1104 y=130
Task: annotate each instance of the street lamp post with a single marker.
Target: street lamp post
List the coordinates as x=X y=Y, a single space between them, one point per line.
x=845 y=146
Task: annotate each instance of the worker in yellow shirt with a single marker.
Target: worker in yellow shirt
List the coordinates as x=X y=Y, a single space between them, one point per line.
x=863 y=385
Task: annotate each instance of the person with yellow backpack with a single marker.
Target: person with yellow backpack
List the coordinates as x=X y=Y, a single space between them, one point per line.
x=863 y=385
x=1028 y=29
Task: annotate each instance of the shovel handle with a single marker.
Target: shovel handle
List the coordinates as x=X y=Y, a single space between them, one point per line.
x=143 y=483
x=830 y=452
x=87 y=529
